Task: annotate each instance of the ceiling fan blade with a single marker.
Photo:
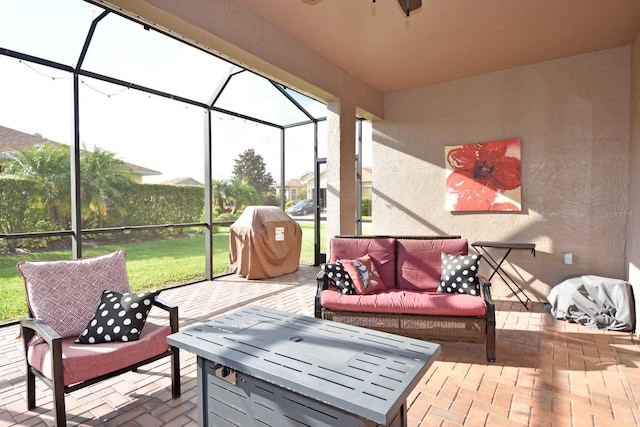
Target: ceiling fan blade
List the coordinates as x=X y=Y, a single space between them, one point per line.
x=410 y=5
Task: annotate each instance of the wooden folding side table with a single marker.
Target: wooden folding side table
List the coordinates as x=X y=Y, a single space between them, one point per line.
x=482 y=246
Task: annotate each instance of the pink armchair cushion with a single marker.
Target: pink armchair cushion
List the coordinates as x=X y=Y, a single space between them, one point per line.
x=82 y=362
x=419 y=262
x=381 y=251
x=406 y=302
x=65 y=294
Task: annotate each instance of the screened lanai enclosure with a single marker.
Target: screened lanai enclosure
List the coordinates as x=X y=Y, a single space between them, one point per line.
x=114 y=134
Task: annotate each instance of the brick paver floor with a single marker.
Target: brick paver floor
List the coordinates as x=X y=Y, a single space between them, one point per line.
x=548 y=372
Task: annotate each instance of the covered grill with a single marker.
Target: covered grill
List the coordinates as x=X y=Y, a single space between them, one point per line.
x=264 y=242
x=594 y=301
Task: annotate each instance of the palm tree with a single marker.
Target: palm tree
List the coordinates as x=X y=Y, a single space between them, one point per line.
x=103 y=176
x=243 y=194
x=48 y=166
x=220 y=192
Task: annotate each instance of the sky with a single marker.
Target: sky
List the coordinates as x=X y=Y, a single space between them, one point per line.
x=147 y=130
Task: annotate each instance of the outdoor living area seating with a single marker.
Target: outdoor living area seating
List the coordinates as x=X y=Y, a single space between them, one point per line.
x=424 y=287
x=86 y=326
x=549 y=372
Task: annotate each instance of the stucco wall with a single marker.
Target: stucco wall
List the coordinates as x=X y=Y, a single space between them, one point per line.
x=633 y=220
x=573 y=118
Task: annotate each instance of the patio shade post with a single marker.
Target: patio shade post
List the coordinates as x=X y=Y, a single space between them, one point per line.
x=208 y=198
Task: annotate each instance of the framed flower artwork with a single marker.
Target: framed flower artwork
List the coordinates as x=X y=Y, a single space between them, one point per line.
x=484 y=176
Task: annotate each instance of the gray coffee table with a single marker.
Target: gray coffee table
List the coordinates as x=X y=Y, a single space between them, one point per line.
x=259 y=366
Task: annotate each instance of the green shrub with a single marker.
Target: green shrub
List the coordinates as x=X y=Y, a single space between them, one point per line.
x=143 y=204
x=227 y=216
x=20 y=212
x=366 y=206
x=137 y=204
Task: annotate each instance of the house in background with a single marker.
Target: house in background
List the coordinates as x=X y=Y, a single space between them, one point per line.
x=297 y=188
x=182 y=181
x=305 y=184
x=12 y=140
x=294 y=189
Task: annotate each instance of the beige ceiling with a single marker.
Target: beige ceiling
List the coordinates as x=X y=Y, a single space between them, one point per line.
x=449 y=39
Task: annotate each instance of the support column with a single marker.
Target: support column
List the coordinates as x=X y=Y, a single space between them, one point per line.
x=208 y=198
x=76 y=203
x=341 y=168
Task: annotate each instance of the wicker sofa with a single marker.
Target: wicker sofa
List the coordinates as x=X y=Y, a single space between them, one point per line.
x=409 y=303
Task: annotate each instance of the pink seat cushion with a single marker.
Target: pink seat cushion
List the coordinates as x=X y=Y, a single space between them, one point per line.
x=419 y=262
x=406 y=302
x=85 y=361
x=381 y=251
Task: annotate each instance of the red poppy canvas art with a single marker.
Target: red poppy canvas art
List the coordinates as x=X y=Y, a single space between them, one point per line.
x=483 y=176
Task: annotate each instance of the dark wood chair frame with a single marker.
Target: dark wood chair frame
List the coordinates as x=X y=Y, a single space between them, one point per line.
x=30 y=326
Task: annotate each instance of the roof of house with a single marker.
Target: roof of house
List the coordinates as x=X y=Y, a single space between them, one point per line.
x=182 y=181
x=294 y=182
x=12 y=140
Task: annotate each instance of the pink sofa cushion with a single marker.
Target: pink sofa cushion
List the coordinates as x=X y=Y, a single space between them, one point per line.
x=381 y=250
x=405 y=302
x=65 y=294
x=420 y=264
x=82 y=361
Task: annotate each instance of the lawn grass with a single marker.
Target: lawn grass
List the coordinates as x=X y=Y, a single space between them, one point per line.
x=152 y=264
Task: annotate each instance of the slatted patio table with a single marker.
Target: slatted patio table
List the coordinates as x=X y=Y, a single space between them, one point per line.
x=263 y=367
